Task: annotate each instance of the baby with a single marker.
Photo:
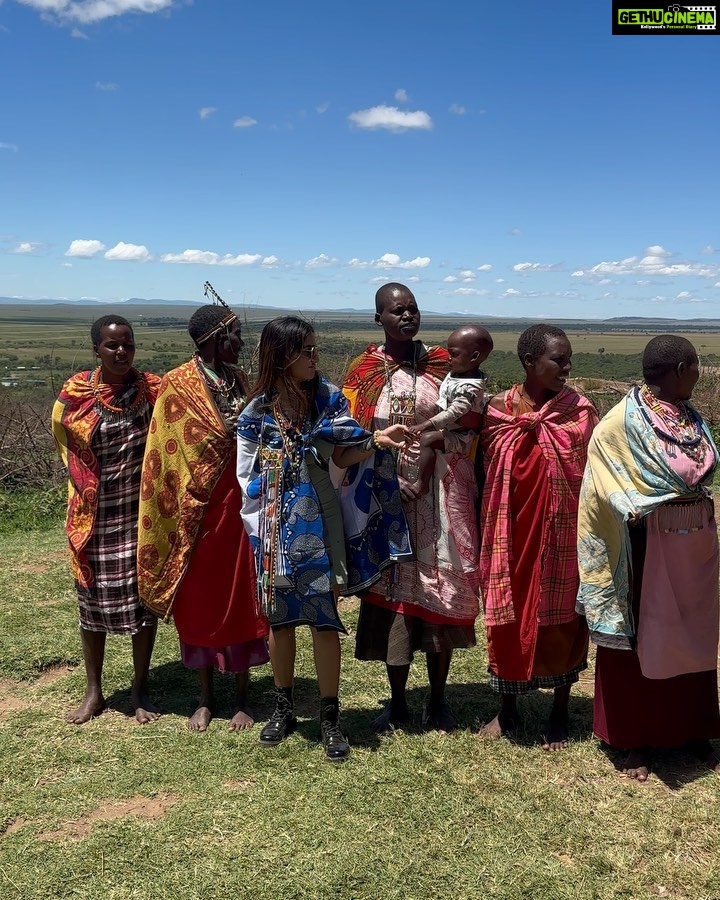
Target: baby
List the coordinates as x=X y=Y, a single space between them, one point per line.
x=461 y=400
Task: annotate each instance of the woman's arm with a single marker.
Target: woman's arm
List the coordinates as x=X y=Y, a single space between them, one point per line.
x=394 y=437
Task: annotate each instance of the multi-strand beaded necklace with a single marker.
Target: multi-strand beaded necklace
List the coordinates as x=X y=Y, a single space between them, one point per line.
x=682 y=428
x=126 y=408
x=224 y=388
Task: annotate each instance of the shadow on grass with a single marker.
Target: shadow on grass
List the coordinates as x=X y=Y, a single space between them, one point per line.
x=676 y=768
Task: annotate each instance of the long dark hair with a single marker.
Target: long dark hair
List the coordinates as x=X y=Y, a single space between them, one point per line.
x=281 y=342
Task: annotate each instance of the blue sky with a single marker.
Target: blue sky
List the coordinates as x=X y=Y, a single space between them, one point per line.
x=500 y=158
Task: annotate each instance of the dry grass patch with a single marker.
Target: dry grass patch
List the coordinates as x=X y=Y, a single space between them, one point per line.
x=110 y=811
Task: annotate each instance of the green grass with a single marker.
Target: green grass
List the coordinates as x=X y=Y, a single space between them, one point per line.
x=411 y=816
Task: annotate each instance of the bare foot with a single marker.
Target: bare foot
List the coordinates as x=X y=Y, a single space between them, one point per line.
x=90 y=707
x=440 y=720
x=241 y=721
x=704 y=752
x=637 y=764
x=390 y=719
x=200 y=719
x=145 y=711
x=500 y=726
x=557 y=733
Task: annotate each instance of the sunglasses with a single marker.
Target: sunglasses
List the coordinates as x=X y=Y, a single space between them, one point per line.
x=310 y=351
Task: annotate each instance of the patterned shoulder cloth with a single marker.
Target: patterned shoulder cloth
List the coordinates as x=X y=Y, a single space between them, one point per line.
x=367 y=373
x=187 y=450
x=627 y=474
x=75 y=418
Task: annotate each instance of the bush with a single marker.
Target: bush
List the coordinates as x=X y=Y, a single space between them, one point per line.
x=32 y=509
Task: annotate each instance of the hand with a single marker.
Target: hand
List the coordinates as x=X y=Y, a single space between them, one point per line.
x=420 y=429
x=394 y=437
x=408 y=491
x=634 y=519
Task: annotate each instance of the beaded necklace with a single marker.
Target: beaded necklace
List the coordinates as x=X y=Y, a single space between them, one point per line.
x=402 y=405
x=401 y=409
x=109 y=411
x=224 y=388
x=683 y=429
x=292 y=434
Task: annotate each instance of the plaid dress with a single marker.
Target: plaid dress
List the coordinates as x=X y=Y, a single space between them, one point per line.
x=111 y=603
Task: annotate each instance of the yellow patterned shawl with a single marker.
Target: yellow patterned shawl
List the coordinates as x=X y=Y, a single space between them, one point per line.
x=187 y=450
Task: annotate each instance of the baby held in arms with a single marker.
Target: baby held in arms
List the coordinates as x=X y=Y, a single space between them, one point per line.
x=461 y=400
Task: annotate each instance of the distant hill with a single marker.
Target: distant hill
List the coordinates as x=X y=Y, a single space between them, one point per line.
x=159 y=308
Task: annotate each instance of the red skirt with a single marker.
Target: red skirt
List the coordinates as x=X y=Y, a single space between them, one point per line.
x=216 y=603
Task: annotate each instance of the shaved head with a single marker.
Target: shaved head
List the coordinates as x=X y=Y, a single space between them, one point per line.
x=389 y=292
x=475 y=336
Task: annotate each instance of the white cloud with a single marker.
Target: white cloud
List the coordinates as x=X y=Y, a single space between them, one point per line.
x=322 y=107
x=511 y=292
x=80 y=35
x=321 y=261
x=210 y=258
x=66 y=265
x=401 y=95
x=89 y=11
x=105 y=86
x=499 y=281
x=717 y=284
x=708 y=249
x=391 y=261
x=683 y=295
x=656 y=262
x=536 y=267
x=244 y=122
x=391 y=118
x=197 y=257
x=449 y=279
x=123 y=252
x=470 y=292
x=467 y=275
x=13 y=147
x=515 y=232
x=413 y=278
x=456 y=109
x=241 y=259
x=26 y=247
x=84 y=249
x=206 y=111
x=270 y=262
x=485 y=267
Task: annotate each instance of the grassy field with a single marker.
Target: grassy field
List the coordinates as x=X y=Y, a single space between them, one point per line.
x=114 y=810
x=41 y=345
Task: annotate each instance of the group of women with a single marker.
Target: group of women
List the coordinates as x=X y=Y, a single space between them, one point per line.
x=603 y=530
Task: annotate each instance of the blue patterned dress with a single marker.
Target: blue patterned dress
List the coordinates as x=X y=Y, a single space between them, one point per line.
x=287 y=520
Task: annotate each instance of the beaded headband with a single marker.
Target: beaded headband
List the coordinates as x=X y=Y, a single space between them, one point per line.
x=209 y=290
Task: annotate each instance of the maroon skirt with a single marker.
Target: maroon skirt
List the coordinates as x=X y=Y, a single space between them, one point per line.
x=632 y=711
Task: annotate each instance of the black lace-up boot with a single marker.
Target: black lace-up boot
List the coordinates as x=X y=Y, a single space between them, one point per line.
x=336 y=746
x=282 y=722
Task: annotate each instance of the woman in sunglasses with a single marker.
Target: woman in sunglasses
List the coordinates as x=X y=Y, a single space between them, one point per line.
x=308 y=550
